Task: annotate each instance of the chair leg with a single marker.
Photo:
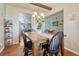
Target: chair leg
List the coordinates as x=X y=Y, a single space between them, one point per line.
x=56 y=54
x=44 y=54
x=25 y=53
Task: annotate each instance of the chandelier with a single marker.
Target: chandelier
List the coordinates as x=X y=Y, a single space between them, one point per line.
x=38 y=15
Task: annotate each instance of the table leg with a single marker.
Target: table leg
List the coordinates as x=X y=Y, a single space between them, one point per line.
x=33 y=49
x=62 y=47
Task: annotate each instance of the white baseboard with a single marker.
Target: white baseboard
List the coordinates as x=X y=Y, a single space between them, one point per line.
x=1 y=49
x=72 y=51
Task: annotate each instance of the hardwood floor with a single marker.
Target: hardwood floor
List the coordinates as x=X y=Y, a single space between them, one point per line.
x=13 y=50
x=17 y=50
x=68 y=53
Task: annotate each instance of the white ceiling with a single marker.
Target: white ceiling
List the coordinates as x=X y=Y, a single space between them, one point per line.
x=31 y=8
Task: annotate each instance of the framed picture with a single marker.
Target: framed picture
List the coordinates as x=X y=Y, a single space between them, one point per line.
x=55 y=23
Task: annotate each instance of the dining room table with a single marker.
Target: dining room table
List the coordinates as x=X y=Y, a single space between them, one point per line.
x=39 y=38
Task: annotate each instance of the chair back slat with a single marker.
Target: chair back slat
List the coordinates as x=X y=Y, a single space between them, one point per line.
x=55 y=41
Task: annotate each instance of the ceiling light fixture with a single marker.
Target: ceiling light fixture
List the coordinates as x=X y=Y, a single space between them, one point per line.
x=38 y=15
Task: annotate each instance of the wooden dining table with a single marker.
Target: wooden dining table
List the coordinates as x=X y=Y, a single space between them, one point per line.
x=41 y=37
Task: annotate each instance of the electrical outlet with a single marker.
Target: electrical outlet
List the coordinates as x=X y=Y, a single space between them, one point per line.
x=65 y=35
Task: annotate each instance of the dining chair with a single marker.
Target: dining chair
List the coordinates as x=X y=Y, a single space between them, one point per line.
x=52 y=45
x=27 y=45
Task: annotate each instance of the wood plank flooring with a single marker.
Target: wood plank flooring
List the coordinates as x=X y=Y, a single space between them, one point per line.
x=17 y=50
x=13 y=50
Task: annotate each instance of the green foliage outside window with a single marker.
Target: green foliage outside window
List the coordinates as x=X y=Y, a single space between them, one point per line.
x=39 y=24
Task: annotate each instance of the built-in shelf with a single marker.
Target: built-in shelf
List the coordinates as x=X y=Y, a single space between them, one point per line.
x=8 y=32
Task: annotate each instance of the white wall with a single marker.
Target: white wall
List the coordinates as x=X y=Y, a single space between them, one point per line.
x=1 y=28
x=71 y=24
x=12 y=13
